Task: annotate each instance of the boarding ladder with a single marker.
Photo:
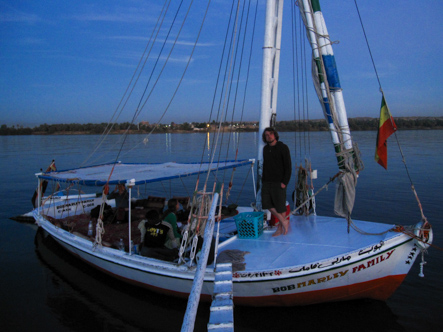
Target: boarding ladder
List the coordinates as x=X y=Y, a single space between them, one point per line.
x=221 y=318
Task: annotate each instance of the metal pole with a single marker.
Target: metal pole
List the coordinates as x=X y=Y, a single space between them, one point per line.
x=194 y=296
x=271 y=62
x=130 y=184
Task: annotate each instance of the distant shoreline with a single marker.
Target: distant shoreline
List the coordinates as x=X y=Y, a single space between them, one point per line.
x=355 y=124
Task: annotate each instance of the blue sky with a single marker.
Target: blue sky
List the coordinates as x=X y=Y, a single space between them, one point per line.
x=71 y=61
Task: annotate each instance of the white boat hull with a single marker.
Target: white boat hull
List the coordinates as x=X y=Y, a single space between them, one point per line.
x=372 y=271
x=377 y=276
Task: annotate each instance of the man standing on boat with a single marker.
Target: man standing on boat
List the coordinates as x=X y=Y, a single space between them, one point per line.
x=276 y=175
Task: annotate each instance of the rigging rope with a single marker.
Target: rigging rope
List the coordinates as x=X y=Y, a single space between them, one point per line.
x=316 y=193
x=224 y=96
x=237 y=142
x=143 y=100
x=302 y=138
x=423 y=238
x=427 y=224
x=232 y=59
x=151 y=42
x=109 y=127
x=140 y=108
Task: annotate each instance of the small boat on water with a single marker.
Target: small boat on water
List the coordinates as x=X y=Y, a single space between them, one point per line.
x=320 y=259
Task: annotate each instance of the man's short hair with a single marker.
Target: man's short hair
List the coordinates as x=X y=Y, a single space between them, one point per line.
x=153 y=216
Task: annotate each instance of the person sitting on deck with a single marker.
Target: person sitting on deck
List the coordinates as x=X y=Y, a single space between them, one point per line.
x=170 y=217
x=157 y=233
x=121 y=196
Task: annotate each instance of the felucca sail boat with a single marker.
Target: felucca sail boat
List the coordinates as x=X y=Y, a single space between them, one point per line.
x=321 y=259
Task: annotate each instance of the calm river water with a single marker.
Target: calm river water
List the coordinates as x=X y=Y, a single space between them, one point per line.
x=44 y=288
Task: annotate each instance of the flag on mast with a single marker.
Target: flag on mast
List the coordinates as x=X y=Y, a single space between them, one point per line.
x=386 y=128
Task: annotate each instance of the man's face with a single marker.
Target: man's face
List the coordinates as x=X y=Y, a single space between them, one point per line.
x=270 y=137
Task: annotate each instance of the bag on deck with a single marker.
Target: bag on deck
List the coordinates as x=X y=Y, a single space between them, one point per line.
x=120 y=215
x=107 y=210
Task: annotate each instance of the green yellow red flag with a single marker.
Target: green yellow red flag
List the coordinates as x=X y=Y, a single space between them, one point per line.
x=386 y=128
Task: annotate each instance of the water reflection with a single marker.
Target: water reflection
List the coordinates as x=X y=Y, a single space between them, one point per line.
x=85 y=299
x=208 y=141
x=168 y=141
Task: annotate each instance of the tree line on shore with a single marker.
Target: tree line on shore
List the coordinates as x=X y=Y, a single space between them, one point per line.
x=356 y=124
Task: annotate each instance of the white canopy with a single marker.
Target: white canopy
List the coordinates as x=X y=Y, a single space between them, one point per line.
x=142 y=173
